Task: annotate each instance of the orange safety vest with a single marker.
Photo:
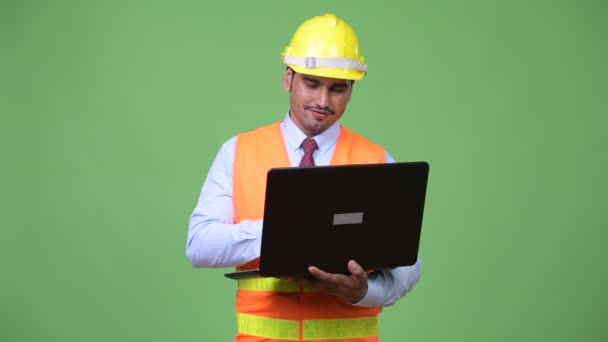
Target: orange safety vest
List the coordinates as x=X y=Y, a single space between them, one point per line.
x=272 y=309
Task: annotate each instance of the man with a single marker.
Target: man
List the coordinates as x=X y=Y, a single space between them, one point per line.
x=323 y=61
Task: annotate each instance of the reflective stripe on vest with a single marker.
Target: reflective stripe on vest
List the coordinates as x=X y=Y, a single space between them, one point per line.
x=271 y=284
x=318 y=329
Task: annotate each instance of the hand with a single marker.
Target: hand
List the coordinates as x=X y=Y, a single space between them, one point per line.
x=352 y=288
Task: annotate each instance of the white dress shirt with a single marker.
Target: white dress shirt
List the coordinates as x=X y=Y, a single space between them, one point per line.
x=214 y=240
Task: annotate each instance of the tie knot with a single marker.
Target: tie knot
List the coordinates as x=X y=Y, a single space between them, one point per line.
x=309 y=145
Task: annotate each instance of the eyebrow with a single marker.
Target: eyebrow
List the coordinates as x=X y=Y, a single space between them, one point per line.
x=316 y=81
x=310 y=79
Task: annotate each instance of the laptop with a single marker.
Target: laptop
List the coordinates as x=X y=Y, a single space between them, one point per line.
x=324 y=216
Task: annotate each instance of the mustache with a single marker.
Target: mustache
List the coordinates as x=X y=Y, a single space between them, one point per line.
x=320 y=109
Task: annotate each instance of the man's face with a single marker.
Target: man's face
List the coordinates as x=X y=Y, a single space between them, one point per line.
x=316 y=102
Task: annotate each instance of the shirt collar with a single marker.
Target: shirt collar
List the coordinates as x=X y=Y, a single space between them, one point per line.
x=294 y=136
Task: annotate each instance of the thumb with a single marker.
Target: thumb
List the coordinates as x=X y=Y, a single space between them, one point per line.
x=356 y=270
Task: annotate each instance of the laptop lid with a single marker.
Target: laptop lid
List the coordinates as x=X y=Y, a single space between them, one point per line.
x=327 y=215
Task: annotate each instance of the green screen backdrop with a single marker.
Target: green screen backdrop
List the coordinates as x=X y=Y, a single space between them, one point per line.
x=112 y=112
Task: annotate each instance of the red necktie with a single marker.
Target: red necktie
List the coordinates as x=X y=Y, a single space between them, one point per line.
x=309 y=145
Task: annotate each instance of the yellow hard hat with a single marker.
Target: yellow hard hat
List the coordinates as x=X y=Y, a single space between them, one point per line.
x=325 y=46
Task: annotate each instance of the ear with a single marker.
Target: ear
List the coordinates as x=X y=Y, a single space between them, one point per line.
x=287 y=76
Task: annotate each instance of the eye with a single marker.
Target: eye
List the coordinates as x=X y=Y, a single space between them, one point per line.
x=311 y=85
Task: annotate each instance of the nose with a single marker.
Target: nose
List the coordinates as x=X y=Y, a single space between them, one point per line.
x=323 y=98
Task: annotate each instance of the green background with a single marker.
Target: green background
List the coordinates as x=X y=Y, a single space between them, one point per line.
x=112 y=112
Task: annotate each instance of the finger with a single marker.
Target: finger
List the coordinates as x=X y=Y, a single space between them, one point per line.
x=319 y=274
x=357 y=271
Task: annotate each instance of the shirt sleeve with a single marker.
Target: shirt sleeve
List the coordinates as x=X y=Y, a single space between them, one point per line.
x=385 y=287
x=214 y=240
